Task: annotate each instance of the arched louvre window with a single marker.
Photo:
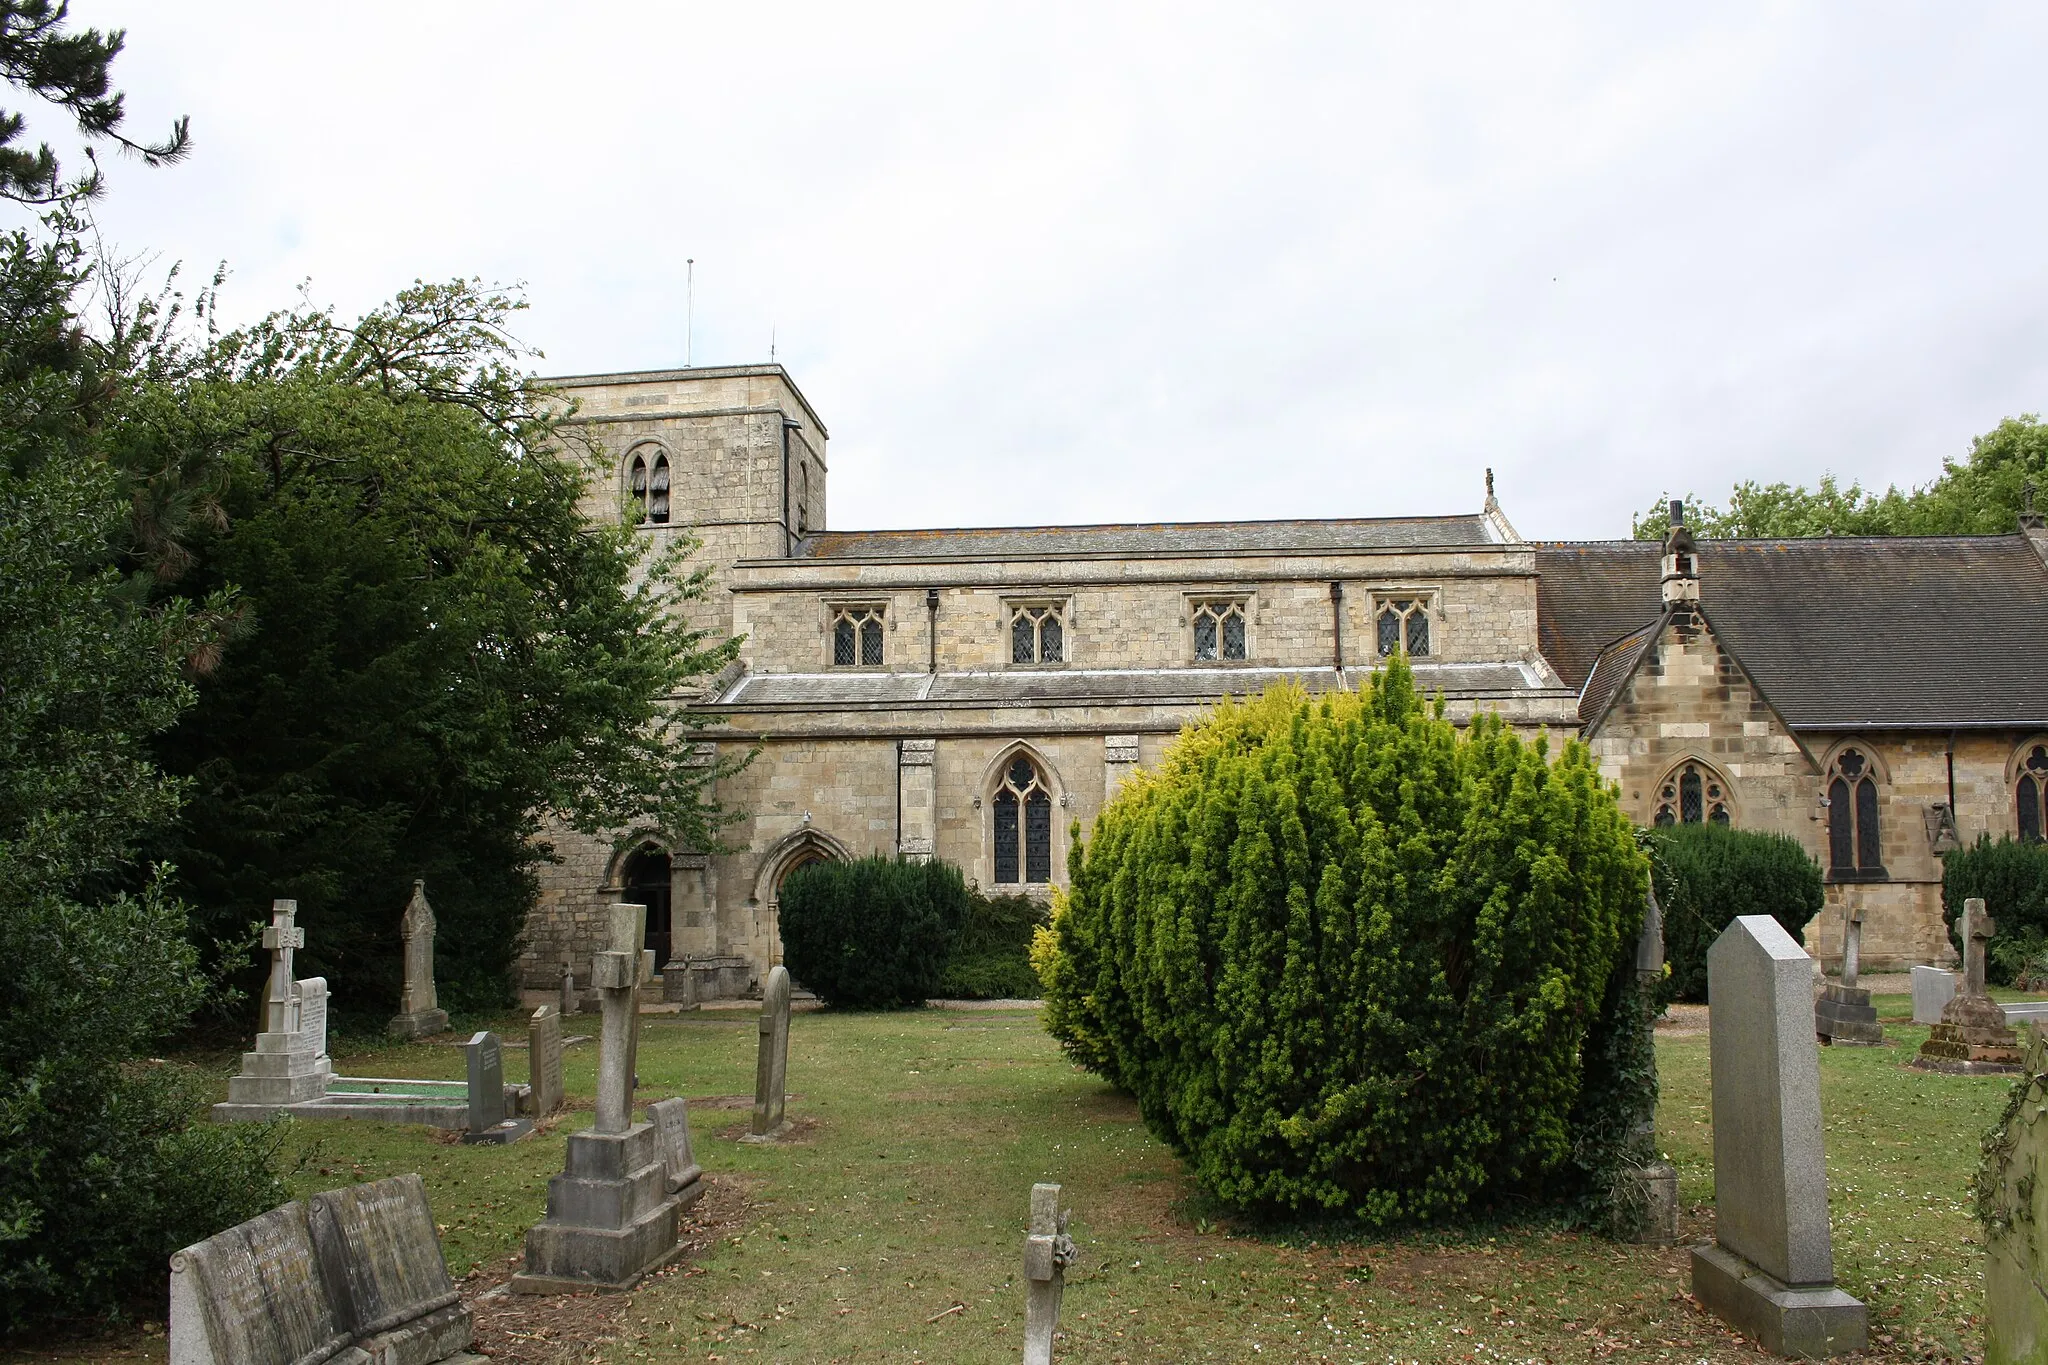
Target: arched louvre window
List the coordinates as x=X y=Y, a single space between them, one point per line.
x=1855 y=848
x=1403 y=623
x=647 y=481
x=657 y=491
x=1694 y=793
x=857 y=637
x=2030 y=794
x=1023 y=825
x=636 y=484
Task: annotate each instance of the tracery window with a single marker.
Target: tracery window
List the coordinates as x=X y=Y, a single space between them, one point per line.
x=1403 y=623
x=2030 y=794
x=857 y=637
x=1219 y=630
x=649 y=485
x=1692 y=794
x=1023 y=824
x=1038 y=635
x=1854 y=848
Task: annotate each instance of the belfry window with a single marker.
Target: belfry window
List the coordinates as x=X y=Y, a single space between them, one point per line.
x=649 y=485
x=1037 y=635
x=1855 y=850
x=857 y=637
x=1023 y=825
x=1403 y=623
x=1693 y=794
x=2030 y=794
x=1219 y=630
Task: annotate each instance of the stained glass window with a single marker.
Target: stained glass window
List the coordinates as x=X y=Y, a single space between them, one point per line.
x=1855 y=842
x=1403 y=623
x=857 y=637
x=1692 y=795
x=1841 y=834
x=1689 y=797
x=1037 y=635
x=1219 y=630
x=1022 y=786
x=2030 y=795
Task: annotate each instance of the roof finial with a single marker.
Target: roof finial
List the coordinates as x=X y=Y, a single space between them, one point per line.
x=1489 y=485
x=1678 y=512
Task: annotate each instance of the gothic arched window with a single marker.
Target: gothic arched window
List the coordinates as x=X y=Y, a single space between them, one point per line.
x=1037 y=635
x=649 y=485
x=1219 y=630
x=1854 y=847
x=2030 y=794
x=1023 y=824
x=857 y=637
x=1403 y=623
x=1692 y=794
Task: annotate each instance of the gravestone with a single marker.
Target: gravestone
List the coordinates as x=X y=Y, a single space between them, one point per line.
x=280 y=1071
x=1770 y=1270
x=488 y=1121
x=544 y=1060
x=2016 y=1233
x=1048 y=1251
x=1973 y=1038
x=570 y=1002
x=671 y=1119
x=611 y=1218
x=1933 y=988
x=312 y=1035
x=771 y=1066
x=254 y=1295
x=1651 y=1182
x=419 y=1012
x=1843 y=1015
x=385 y=1272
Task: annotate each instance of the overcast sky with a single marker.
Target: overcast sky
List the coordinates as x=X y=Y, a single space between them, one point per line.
x=1114 y=263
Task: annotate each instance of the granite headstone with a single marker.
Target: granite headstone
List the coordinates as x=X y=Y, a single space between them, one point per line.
x=1933 y=988
x=488 y=1121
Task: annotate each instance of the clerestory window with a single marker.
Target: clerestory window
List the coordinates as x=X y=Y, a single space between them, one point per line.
x=2030 y=795
x=1023 y=825
x=1219 y=630
x=1693 y=794
x=648 y=483
x=1038 y=634
x=1403 y=623
x=1855 y=850
x=857 y=637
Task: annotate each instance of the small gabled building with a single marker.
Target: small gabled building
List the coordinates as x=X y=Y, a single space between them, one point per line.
x=1878 y=699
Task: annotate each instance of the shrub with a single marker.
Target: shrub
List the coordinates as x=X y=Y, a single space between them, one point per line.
x=1349 y=959
x=2012 y=877
x=1706 y=875
x=991 y=956
x=873 y=933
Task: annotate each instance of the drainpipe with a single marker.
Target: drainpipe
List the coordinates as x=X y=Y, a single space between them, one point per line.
x=931 y=626
x=1337 y=628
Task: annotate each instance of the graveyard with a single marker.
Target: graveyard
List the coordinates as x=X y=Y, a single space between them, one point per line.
x=889 y=1221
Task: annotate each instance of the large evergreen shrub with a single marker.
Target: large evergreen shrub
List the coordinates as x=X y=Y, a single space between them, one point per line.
x=991 y=956
x=1707 y=875
x=2012 y=877
x=873 y=933
x=1348 y=958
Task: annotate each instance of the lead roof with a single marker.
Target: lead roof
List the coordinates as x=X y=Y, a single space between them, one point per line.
x=1196 y=537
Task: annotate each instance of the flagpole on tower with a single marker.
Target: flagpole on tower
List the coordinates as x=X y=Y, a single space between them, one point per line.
x=690 y=314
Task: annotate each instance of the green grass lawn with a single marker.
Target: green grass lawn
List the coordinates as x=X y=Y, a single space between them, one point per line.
x=907 y=1195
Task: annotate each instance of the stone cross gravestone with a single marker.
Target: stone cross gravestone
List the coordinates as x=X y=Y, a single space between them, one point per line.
x=570 y=1002
x=544 y=1060
x=1973 y=1037
x=1770 y=1270
x=2016 y=1234
x=1844 y=1014
x=488 y=1122
x=771 y=1066
x=1933 y=988
x=385 y=1272
x=671 y=1119
x=611 y=1218
x=1048 y=1251
x=280 y=1071
x=419 y=1012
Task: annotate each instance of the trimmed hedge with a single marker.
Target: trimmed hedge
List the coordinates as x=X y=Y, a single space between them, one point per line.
x=991 y=957
x=1706 y=875
x=2012 y=877
x=874 y=933
x=1348 y=958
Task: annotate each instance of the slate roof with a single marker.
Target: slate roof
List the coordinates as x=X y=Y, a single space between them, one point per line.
x=1197 y=537
x=1037 y=687
x=1881 y=633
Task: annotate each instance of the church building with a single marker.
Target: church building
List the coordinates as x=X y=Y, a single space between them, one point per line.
x=970 y=694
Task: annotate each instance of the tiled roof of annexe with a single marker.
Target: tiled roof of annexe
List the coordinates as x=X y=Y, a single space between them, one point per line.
x=1160 y=538
x=1905 y=632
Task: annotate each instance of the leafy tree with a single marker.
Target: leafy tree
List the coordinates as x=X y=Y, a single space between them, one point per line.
x=1707 y=875
x=1981 y=494
x=71 y=70
x=874 y=933
x=1349 y=958
x=436 y=649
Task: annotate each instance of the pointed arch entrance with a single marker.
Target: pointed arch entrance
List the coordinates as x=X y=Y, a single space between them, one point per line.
x=799 y=849
x=648 y=877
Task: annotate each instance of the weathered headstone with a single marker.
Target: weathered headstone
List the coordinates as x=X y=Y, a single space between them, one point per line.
x=671 y=1119
x=419 y=1012
x=488 y=1121
x=385 y=1272
x=571 y=1002
x=1770 y=1270
x=1973 y=1037
x=610 y=1216
x=1651 y=1183
x=1933 y=988
x=280 y=1071
x=771 y=1066
x=544 y=1060
x=312 y=1035
x=2016 y=1232
x=253 y=1295
x=1844 y=1014
x=1048 y=1251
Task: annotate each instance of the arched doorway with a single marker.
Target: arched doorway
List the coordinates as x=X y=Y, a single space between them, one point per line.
x=649 y=879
